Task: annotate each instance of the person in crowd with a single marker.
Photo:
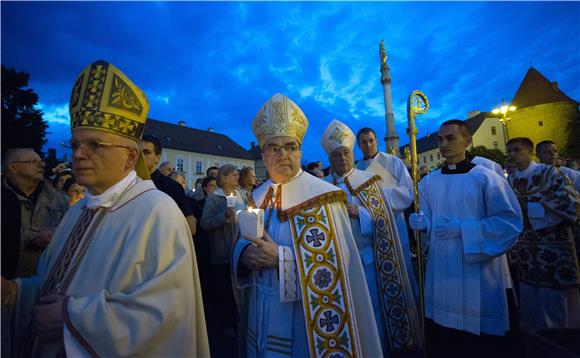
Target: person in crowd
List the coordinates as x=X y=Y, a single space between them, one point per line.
x=120 y=261
x=423 y=171
x=489 y=164
x=219 y=220
x=547 y=153
x=151 y=149
x=545 y=255
x=509 y=166
x=74 y=190
x=60 y=178
x=179 y=178
x=396 y=181
x=247 y=182
x=471 y=218
x=317 y=173
x=166 y=167
x=305 y=270
x=373 y=228
x=40 y=206
x=211 y=172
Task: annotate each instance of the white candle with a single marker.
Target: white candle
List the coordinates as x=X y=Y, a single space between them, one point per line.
x=251 y=223
x=231 y=200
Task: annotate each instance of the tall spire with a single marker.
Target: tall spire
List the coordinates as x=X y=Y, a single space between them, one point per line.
x=392 y=138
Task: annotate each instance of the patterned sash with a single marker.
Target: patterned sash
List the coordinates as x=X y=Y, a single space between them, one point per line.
x=397 y=301
x=328 y=309
x=66 y=265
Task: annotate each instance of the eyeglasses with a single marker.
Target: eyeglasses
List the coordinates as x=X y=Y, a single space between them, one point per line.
x=275 y=149
x=93 y=146
x=32 y=161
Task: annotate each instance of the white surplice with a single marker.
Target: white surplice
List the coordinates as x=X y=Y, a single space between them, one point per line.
x=489 y=164
x=136 y=290
x=467 y=276
x=398 y=188
x=276 y=318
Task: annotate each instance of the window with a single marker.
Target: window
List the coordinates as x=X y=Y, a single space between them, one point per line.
x=431 y=157
x=540 y=123
x=495 y=145
x=179 y=164
x=198 y=167
x=424 y=160
x=493 y=131
x=216 y=164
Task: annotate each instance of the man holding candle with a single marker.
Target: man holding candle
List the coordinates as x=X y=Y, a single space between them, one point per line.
x=379 y=246
x=305 y=271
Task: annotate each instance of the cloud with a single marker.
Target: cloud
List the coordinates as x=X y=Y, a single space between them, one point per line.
x=215 y=63
x=58 y=113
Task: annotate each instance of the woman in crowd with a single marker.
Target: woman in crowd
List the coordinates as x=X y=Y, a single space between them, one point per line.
x=219 y=220
x=247 y=182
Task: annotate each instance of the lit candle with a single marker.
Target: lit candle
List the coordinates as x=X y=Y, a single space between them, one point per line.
x=251 y=223
x=231 y=200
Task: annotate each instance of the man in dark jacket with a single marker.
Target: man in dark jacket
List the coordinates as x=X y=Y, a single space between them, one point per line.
x=151 y=148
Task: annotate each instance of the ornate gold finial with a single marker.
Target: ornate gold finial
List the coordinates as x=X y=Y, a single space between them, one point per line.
x=104 y=98
x=279 y=117
x=383 y=53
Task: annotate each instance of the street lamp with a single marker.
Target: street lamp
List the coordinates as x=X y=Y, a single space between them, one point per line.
x=504 y=109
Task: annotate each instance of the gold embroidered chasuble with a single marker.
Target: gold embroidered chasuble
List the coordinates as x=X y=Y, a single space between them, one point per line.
x=399 y=309
x=319 y=270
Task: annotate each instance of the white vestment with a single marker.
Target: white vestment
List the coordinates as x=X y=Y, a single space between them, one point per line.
x=276 y=312
x=489 y=164
x=467 y=275
x=398 y=188
x=132 y=285
x=362 y=229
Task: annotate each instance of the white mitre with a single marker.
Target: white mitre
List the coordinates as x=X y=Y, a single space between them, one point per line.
x=279 y=117
x=337 y=135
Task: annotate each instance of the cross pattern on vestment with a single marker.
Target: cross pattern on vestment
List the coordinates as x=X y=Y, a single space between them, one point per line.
x=329 y=321
x=315 y=237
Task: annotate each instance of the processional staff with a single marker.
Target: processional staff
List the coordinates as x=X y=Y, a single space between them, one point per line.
x=417 y=103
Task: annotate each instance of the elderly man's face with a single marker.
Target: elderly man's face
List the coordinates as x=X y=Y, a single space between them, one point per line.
x=28 y=165
x=101 y=159
x=341 y=160
x=282 y=157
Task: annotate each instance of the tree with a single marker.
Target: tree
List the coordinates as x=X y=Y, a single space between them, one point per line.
x=572 y=149
x=494 y=154
x=22 y=122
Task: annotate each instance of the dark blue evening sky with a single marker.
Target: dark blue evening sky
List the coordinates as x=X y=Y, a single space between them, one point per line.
x=213 y=64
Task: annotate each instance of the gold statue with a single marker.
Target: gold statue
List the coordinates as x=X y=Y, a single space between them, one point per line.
x=383 y=53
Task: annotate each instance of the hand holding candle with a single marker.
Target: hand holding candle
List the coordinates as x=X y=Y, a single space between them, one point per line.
x=251 y=223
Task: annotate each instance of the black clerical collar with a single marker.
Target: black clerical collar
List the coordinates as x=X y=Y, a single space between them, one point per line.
x=462 y=167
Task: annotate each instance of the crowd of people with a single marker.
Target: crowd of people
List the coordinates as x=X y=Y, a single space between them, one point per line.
x=113 y=255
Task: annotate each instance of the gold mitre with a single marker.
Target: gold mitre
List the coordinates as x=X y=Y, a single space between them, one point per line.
x=337 y=135
x=279 y=117
x=104 y=98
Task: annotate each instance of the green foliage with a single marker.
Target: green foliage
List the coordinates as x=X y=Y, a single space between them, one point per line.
x=494 y=154
x=572 y=148
x=22 y=123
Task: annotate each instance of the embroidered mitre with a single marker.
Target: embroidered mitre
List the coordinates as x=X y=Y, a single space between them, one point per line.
x=104 y=98
x=337 y=135
x=279 y=117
